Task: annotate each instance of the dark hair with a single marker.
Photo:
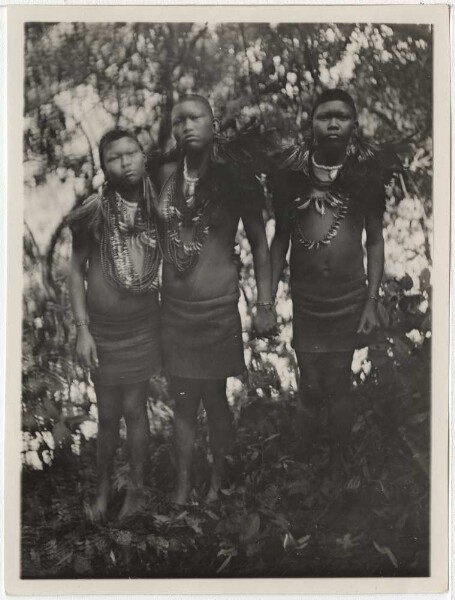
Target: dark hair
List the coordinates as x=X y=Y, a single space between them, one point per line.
x=332 y=95
x=196 y=98
x=112 y=135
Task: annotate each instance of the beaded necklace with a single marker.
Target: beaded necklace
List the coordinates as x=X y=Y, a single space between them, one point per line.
x=331 y=169
x=116 y=262
x=332 y=197
x=190 y=185
x=177 y=212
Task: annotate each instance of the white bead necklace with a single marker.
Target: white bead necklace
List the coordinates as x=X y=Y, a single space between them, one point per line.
x=331 y=169
x=190 y=185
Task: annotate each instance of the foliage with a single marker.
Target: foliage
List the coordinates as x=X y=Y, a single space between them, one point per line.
x=278 y=516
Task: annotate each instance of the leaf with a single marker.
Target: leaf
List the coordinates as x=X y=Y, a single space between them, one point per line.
x=387 y=552
x=212 y=515
x=255 y=547
x=425 y=278
x=251 y=526
x=418 y=418
x=62 y=435
x=353 y=484
x=123 y=538
x=401 y=349
x=288 y=541
x=347 y=542
x=51 y=409
x=225 y=563
x=228 y=491
x=302 y=542
x=112 y=557
x=301 y=488
x=280 y=520
x=383 y=315
x=161 y=519
x=406 y=282
x=81 y=565
x=194 y=523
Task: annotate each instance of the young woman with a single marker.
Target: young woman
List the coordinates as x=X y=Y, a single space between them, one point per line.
x=330 y=190
x=113 y=279
x=201 y=202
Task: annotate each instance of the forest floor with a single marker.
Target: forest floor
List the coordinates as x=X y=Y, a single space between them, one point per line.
x=277 y=517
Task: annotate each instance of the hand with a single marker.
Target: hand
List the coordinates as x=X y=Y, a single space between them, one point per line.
x=264 y=322
x=86 y=349
x=369 y=321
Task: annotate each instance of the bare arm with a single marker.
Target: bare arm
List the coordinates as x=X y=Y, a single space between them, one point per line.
x=255 y=233
x=375 y=270
x=85 y=344
x=375 y=253
x=279 y=249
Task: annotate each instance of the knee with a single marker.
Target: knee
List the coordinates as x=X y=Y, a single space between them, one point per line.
x=218 y=411
x=108 y=419
x=134 y=412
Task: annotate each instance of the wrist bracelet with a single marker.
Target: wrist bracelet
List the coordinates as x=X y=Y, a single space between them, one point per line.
x=81 y=323
x=371 y=297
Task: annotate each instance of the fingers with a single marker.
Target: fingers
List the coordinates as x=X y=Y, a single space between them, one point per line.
x=366 y=327
x=94 y=358
x=88 y=357
x=361 y=326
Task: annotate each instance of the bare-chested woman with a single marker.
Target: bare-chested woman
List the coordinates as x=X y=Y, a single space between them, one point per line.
x=201 y=202
x=330 y=192
x=113 y=284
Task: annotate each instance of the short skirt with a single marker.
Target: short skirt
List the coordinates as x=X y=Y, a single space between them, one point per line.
x=326 y=316
x=128 y=347
x=202 y=339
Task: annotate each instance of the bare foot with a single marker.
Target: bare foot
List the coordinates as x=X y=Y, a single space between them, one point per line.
x=134 y=503
x=212 y=495
x=180 y=495
x=96 y=512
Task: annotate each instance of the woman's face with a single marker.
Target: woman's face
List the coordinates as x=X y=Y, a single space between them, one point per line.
x=124 y=162
x=333 y=124
x=192 y=126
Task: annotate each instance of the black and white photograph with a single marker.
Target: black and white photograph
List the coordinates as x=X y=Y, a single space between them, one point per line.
x=227 y=319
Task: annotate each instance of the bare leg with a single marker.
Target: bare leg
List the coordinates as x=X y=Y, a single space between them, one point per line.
x=187 y=396
x=311 y=401
x=109 y=403
x=220 y=431
x=134 y=407
x=336 y=383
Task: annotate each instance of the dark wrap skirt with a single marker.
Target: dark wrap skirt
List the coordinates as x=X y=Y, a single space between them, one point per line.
x=202 y=339
x=326 y=316
x=128 y=347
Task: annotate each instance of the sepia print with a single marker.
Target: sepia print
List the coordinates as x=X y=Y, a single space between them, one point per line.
x=227 y=303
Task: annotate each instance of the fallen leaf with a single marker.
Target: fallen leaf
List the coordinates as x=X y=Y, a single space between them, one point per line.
x=251 y=526
x=387 y=552
x=123 y=538
x=288 y=541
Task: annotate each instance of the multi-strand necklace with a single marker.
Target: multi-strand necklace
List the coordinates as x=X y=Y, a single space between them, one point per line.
x=190 y=209
x=190 y=186
x=116 y=262
x=329 y=198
